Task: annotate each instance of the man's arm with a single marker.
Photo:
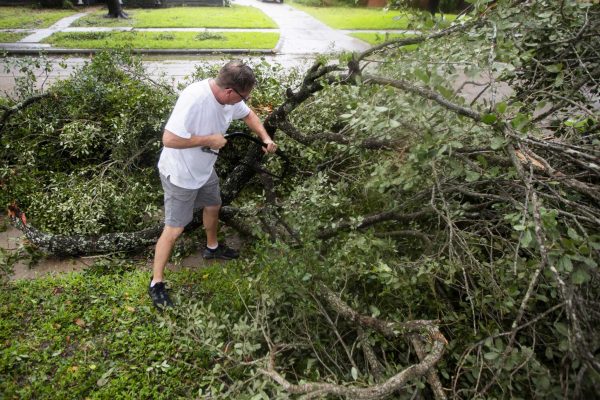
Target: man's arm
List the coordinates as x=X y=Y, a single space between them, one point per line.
x=215 y=141
x=257 y=127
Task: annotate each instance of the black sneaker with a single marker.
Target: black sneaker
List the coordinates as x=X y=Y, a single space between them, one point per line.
x=222 y=253
x=159 y=296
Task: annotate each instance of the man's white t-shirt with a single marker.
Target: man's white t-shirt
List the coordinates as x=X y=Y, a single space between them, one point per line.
x=196 y=113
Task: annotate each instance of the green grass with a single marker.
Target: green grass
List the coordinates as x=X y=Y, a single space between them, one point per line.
x=95 y=334
x=28 y=17
x=362 y=18
x=165 y=40
x=11 y=37
x=185 y=17
x=378 y=38
x=357 y=18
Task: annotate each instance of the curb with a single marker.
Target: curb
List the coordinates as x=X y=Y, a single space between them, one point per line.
x=60 y=51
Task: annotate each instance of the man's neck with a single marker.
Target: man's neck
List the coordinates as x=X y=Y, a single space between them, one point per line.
x=216 y=91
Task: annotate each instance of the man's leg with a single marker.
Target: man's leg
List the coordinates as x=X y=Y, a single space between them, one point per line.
x=210 y=219
x=179 y=203
x=213 y=250
x=209 y=198
x=164 y=246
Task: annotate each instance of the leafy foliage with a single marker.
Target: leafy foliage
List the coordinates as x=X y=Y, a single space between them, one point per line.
x=103 y=122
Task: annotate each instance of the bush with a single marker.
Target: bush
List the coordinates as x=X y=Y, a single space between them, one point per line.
x=56 y=3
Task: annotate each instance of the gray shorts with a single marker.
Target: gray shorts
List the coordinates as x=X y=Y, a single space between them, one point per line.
x=180 y=203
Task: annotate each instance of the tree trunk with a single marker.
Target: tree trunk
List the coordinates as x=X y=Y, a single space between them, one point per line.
x=115 y=10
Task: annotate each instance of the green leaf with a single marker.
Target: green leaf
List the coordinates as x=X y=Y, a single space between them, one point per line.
x=472 y=176
x=572 y=234
x=562 y=328
x=489 y=119
x=501 y=107
x=354 y=373
x=497 y=143
x=554 y=68
x=394 y=123
x=520 y=121
x=422 y=75
x=374 y=311
x=492 y=355
x=565 y=264
x=580 y=276
x=527 y=238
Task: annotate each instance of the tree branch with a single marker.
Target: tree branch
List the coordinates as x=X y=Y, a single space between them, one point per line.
x=374 y=219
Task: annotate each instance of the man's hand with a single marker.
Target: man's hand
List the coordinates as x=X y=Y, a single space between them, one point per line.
x=215 y=141
x=271 y=146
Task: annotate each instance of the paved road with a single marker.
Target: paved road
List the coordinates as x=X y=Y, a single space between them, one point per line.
x=172 y=69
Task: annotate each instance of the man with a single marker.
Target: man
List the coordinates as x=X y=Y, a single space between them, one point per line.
x=194 y=132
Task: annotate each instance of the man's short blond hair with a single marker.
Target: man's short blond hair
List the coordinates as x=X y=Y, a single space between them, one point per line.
x=236 y=74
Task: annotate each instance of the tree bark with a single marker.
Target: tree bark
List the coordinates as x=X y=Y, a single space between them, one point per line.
x=115 y=10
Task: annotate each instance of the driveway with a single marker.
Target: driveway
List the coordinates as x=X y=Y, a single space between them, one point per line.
x=303 y=34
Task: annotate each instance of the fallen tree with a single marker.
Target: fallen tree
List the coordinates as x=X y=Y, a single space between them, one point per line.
x=412 y=195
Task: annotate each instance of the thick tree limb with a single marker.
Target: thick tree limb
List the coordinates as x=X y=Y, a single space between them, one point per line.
x=337 y=137
x=242 y=173
x=432 y=377
x=77 y=245
x=396 y=43
x=408 y=232
x=374 y=219
x=374 y=364
x=72 y=245
x=423 y=92
x=17 y=107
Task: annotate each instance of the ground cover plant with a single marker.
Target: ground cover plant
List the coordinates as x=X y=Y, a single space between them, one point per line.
x=164 y=40
x=184 y=17
x=94 y=334
x=10 y=37
x=30 y=17
x=430 y=238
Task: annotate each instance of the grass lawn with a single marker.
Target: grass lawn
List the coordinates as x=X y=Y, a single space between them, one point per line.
x=28 y=17
x=378 y=38
x=164 y=40
x=95 y=334
x=11 y=37
x=184 y=17
x=357 y=18
x=361 y=18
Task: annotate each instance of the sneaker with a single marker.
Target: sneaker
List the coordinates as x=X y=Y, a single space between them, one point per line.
x=159 y=296
x=222 y=253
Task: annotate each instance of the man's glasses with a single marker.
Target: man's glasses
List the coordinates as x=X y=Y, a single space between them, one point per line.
x=239 y=94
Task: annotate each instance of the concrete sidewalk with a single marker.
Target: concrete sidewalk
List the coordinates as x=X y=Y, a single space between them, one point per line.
x=304 y=34
x=299 y=32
